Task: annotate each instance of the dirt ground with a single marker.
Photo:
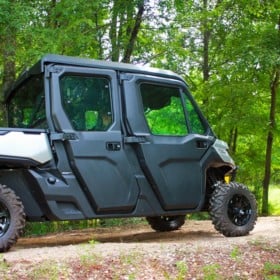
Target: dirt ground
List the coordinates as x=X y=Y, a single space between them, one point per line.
x=196 y=251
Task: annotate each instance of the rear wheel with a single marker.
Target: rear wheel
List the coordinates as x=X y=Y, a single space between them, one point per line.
x=233 y=209
x=166 y=223
x=12 y=218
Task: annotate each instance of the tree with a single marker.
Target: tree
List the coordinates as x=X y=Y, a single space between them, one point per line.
x=228 y=51
x=265 y=47
x=126 y=20
x=8 y=44
x=230 y=47
x=274 y=88
x=12 y=15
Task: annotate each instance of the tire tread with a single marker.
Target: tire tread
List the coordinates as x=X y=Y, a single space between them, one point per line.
x=218 y=209
x=18 y=218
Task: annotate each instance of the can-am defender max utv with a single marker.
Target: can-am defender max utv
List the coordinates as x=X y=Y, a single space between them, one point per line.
x=90 y=139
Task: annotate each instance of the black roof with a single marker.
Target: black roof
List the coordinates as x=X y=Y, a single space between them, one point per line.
x=90 y=63
x=118 y=66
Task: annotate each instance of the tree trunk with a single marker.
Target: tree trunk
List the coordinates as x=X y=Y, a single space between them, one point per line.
x=113 y=33
x=8 y=54
x=134 y=33
x=269 y=141
x=206 y=40
x=9 y=70
x=272 y=125
x=233 y=140
x=8 y=57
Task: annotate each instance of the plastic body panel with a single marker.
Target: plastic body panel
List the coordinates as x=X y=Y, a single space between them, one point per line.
x=173 y=164
x=107 y=176
x=31 y=145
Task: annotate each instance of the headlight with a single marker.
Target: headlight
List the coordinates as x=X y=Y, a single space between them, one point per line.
x=221 y=148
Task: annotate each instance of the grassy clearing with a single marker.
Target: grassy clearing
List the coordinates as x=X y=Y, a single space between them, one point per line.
x=48 y=270
x=251 y=261
x=274 y=200
x=43 y=228
x=4 y=267
x=271 y=271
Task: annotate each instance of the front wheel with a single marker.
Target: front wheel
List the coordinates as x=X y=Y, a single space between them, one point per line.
x=166 y=223
x=12 y=218
x=233 y=209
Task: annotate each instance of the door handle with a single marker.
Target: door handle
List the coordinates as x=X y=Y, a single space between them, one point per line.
x=201 y=144
x=113 y=146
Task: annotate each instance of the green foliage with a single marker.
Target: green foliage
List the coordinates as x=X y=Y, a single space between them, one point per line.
x=232 y=42
x=48 y=270
x=211 y=272
x=182 y=269
x=274 y=200
x=168 y=120
x=200 y=216
x=3 y=266
x=121 y=222
x=227 y=50
x=271 y=271
x=88 y=258
x=235 y=254
x=42 y=228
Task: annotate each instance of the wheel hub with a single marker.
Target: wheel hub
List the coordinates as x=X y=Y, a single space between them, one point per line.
x=4 y=220
x=239 y=210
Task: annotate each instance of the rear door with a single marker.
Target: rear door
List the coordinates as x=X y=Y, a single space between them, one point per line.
x=86 y=113
x=170 y=135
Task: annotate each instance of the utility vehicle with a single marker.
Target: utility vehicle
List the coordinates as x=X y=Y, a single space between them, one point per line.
x=89 y=139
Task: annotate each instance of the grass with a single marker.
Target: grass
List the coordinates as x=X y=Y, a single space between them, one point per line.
x=235 y=254
x=182 y=268
x=132 y=265
x=4 y=267
x=43 y=228
x=271 y=271
x=274 y=200
x=211 y=272
x=48 y=270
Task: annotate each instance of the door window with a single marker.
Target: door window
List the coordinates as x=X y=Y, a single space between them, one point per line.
x=195 y=122
x=163 y=109
x=87 y=102
x=169 y=111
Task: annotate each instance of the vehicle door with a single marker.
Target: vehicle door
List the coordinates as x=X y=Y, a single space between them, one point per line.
x=171 y=137
x=86 y=113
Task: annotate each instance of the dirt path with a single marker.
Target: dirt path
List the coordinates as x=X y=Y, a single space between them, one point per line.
x=197 y=245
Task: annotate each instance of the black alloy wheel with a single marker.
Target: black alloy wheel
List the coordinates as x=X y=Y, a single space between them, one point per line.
x=5 y=219
x=239 y=210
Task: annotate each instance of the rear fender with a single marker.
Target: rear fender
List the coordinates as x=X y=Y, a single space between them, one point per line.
x=18 y=182
x=24 y=148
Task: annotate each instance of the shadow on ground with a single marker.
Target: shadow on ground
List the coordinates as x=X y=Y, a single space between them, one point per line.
x=139 y=233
